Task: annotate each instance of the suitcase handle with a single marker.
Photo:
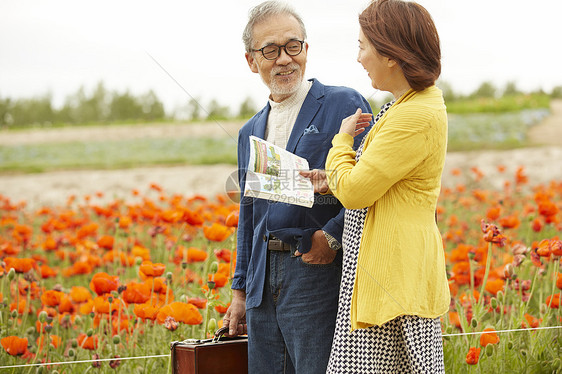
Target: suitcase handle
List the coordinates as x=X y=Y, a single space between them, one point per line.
x=219 y=333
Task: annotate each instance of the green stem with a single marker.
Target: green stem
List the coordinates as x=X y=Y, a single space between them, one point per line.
x=486 y=273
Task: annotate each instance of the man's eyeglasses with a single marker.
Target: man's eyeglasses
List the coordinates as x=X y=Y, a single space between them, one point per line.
x=272 y=51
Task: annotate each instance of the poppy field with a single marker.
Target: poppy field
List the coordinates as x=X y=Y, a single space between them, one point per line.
x=104 y=283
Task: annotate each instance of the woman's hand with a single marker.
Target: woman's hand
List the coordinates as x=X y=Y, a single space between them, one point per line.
x=356 y=123
x=318 y=179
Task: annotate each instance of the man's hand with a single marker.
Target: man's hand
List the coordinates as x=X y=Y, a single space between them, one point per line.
x=235 y=317
x=318 y=179
x=320 y=253
x=356 y=123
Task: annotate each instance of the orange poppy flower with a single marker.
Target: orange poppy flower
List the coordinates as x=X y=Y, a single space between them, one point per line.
x=51 y=298
x=223 y=254
x=80 y=294
x=149 y=269
x=55 y=341
x=86 y=342
x=537 y=225
x=14 y=345
x=156 y=284
x=532 y=321
x=199 y=302
x=86 y=308
x=89 y=229
x=493 y=213
x=553 y=301
x=473 y=355
x=141 y=252
x=106 y=242
x=510 y=222
x=20 y=265
x=102 y=306
x=494 y=286
x=232 y=219
x=50 y=244
x=146 y=311
x=222 y=308
x=219 y=278
x=136 y=293
x=125 y=222
x=47 y=272
x=103 y=283
x=216 y=232
x=454 y=319
x=193 y=218
x=181 y=312
x=489 y=337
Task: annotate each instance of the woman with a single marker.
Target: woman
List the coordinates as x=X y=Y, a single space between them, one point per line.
x=394 y=285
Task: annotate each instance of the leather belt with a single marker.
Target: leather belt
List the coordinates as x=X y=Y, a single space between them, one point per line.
x=275 y=244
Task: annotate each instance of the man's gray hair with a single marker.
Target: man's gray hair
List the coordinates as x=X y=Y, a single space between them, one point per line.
x=262 y=12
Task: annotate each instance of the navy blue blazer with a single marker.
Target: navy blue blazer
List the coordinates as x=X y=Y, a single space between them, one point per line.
x=318 y=121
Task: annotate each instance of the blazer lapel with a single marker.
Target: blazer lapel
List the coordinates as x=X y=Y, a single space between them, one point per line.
x=309 y=109
x=261 y=122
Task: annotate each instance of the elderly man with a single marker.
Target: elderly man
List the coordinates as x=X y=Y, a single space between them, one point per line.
x=288 y=269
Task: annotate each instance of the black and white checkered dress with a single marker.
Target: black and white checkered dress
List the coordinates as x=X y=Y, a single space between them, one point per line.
x=406 y=344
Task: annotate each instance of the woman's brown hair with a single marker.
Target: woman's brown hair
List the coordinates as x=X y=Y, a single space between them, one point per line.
x=404 y=32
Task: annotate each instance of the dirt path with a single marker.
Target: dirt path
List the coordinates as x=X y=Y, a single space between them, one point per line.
x=542 y=164
x=549 y=131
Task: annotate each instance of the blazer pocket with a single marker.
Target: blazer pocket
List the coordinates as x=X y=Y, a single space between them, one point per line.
x=314 y=147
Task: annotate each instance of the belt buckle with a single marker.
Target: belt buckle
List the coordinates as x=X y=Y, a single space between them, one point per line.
x=275 y=245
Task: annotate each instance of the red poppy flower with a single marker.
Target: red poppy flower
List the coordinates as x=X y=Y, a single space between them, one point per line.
x=217 y=232
x=181 y=312
x=103 y=283
x=14 y=345
x=106 y=242
x=532 y=321
x=80 y=294
x=232 y=219
x=20 y=265
x=149 y=269
x=199 y=302
x=86 y=342
x=136 y=293
x=553 y=301
x=51 y=297
x=494 y=286
x=146 y=311
x=55 y=340
x=473 y=356
x=489 y=337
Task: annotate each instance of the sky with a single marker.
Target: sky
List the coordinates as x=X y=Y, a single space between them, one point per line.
x=193 y=49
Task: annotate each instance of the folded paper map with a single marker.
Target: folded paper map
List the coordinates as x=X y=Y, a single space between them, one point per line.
x=273 y=174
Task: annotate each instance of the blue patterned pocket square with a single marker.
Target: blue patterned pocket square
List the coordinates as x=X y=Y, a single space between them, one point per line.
x=311 y=130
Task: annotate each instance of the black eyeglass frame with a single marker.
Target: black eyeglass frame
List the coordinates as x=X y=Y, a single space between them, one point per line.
x=284 y=46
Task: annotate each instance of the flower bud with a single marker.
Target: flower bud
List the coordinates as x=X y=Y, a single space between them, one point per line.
x=494 y=303
x=510 y=345
x=214 y=267
x=74 y=343
x=11 y=274
x=474 y=323
x=211 y=285
x=184 y=265
x=30 y=330
x=90 y=332
x=509 y=271
x=499 y=295
x=71 y=352
x=116 y=339
x=138 y=260
x=212 y=325
x=48 y=328
x=42 y=316
x=169 y=275
x=489 y=350
x=14 y=313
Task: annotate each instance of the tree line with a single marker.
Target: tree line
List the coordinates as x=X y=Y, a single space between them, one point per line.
x=103 y=106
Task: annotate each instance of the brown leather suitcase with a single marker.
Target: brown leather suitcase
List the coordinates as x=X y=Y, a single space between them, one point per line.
x=220 y=355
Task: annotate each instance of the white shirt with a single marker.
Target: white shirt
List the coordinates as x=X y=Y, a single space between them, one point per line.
x=283 y=115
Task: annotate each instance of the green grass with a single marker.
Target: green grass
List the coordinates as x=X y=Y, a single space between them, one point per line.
x=509 y=103
x=476 y=131
x=116 y=154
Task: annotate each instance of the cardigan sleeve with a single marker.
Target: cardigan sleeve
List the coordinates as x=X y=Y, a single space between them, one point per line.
x=395 y=150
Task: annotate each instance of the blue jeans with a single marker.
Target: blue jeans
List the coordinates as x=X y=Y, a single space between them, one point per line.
x=292 y=330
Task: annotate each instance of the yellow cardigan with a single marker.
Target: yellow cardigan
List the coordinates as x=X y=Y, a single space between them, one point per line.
x=401 y=264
